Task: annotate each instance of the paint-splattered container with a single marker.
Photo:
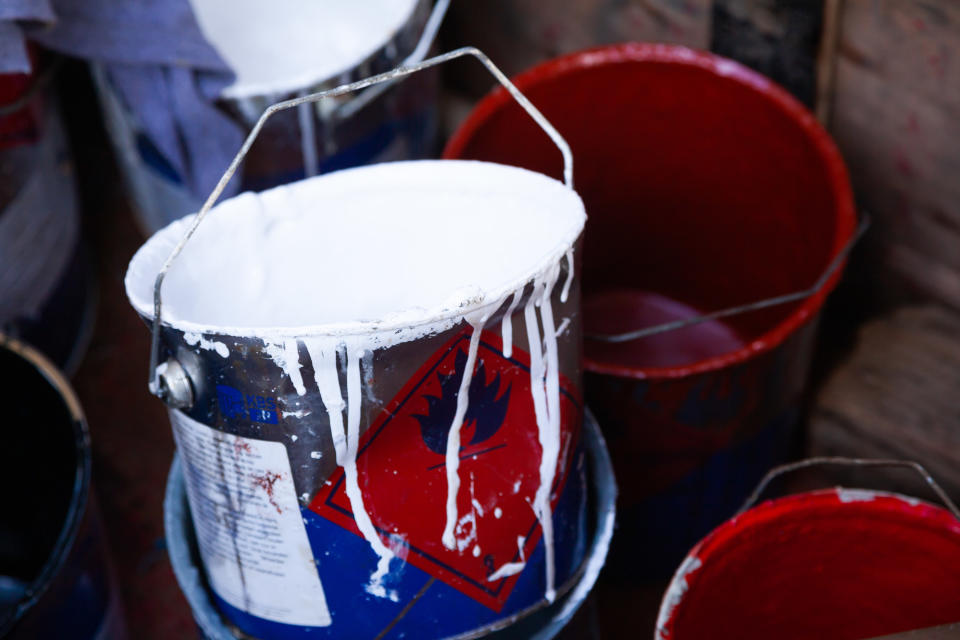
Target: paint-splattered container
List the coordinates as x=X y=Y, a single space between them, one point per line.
x=543 y=625
x=46 y=285
x=843 y=564
x=707 y=187
x=398 y=124
x=314 y=520
x=55 y=580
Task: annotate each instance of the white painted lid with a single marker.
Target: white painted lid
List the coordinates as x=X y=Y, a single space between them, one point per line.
x=282 y=46
x=374 y=248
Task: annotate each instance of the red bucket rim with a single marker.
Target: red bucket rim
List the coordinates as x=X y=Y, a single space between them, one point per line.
x=844 y=221
x=920 y=513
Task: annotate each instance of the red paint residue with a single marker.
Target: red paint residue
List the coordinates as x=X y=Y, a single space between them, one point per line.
x=266 y=481
x=833 y=565
x=241 y=446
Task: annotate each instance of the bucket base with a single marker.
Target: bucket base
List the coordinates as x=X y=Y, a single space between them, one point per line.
x=536 y=623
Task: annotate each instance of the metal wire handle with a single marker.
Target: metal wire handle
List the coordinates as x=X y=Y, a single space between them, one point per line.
x=399 y=72
x=850 y=462
x=743 y=308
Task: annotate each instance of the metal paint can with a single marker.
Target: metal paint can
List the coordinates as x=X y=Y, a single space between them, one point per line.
x=55 y=577
x=283 y=546
x=46 y=284
x=707 y=186
x=398 y=124
x=838 y=563
x=542 y=625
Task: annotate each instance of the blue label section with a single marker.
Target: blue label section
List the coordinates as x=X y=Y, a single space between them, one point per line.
x=234 y=404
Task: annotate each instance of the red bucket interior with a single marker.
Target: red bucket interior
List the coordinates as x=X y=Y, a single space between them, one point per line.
x=706 y=187
x=816 y=566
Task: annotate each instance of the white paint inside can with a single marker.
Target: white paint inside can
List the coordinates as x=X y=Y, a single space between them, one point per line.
x=361 y=259
x=288 y=45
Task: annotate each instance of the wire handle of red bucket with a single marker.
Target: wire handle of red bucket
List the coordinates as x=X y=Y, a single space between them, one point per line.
x=789 y=467
x=177 y=393
x=775 y=301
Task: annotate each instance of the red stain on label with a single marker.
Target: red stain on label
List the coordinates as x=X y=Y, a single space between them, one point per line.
x=402 y=473
x=266 y=481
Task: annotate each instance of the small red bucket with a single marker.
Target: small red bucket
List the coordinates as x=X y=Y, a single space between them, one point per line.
x=707 y=187
x=843 y=564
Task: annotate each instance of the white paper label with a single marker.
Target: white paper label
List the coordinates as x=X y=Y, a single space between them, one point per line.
x=252 y=538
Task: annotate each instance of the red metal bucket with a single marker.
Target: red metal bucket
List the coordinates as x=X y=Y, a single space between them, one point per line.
x=840 y=564
x=707 y=186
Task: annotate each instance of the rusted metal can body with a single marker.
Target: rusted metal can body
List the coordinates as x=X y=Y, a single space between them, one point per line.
x=707 y=187
x=55 y=578
x=286 y=553
x=838 y=563
x=399 y=124
x=46 y=287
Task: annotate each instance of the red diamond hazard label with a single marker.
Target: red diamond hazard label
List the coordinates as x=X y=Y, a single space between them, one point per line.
x=403 y=476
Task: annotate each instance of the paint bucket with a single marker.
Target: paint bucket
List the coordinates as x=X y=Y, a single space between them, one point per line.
x=46 y=285
x=707 y=187
x=397 y=124
x=55 y=579
x=543 y=625
x=839 y=563
x=454 y=496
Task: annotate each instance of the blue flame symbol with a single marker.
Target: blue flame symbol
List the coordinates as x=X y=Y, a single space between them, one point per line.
x=485 y=411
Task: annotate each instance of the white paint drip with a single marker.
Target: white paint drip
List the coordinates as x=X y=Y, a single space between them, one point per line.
x=545 y=389
x=323 y=354
x=566 y=285
x=453 y=437
x=473 y=498
x=476 y=551
x=299 y=413
x=498 y=513
x=286 y=356
x=855 y=495
x=506 y=324
x=273 y=234
x=316 y=455
x=678 y=587
x=197 y=340
x=510 y=568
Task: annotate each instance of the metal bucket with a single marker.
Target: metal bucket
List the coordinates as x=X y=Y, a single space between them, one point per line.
x=399 y=123
x=844 y=564
x=55 y=579
x=307 y=527
x=46 y=285
x=542 y=625
x=708 y=187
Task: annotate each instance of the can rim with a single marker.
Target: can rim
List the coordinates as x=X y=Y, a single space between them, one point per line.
x=915 y=511
x=81 y=484
x=666 y=54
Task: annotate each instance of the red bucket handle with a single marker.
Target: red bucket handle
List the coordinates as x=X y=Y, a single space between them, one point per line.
x=756 y=305
x=848 y=462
